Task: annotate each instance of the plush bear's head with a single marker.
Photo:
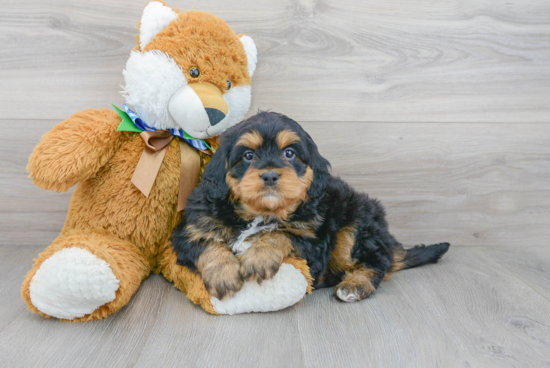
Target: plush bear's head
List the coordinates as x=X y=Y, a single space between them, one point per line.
x=189 y=71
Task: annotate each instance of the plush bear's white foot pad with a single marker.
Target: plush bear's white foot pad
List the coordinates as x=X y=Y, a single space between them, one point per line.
x=286 y=288
x=72 y=283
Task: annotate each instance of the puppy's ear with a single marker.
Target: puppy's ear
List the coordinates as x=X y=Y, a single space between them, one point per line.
x=213 y=178
x=320 y=167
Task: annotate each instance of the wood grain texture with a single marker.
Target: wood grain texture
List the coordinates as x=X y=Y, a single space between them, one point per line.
x=184 y=335
x=17 y=192
x=468 y=310
x=28 y=340
x=473 y=61
x=465 y=311
x=15 y=262
x=469 y=184
x=532 y=267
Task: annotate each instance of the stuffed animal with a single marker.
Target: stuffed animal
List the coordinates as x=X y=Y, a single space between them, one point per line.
x=187 y=81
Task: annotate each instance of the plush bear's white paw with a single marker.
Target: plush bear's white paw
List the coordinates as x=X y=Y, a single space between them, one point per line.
x=286 y=288
x=72 y=283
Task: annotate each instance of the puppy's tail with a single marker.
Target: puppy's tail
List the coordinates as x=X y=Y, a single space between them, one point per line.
x=418 y=256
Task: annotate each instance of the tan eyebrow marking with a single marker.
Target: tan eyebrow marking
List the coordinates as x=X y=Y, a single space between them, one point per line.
x=287 y=137
x=252 y=140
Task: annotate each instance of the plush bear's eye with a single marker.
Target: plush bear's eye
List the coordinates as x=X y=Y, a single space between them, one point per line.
x=194 y=72
x=229 y=85
x=248 y=155
x=289 y=154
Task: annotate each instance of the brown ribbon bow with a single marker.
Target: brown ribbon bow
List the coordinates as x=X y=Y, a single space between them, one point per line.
x=156 y=146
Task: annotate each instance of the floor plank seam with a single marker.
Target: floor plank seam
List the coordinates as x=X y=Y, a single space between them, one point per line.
x=537 y=290
x=149 y=329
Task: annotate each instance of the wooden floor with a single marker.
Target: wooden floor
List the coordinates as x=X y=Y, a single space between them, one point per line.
x=479 y=307
x=440 y=109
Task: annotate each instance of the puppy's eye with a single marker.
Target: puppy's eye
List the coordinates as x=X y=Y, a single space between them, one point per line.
x=194 y=72
x=289 y=154
x=248 y=155
x=229 y=85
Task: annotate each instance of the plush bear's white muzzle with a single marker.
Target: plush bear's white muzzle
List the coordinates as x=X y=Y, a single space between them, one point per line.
x=187 y=110
x=197 y=108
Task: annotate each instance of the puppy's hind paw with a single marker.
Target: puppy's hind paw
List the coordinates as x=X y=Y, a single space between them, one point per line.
x=348 y=292
x=347 y=295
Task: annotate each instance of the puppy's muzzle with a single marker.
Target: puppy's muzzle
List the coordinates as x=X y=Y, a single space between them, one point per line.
x=270 y=178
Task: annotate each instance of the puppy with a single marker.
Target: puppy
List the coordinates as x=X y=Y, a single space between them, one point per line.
x=266 y=194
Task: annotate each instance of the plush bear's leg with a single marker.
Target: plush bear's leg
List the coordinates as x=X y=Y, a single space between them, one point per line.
x=286 y=288
x=84 y=276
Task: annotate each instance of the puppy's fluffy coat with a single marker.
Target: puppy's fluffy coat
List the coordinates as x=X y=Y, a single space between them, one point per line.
x=268 y=173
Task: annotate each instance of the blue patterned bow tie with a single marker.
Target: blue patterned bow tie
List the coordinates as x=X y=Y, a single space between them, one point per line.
x=199 y=144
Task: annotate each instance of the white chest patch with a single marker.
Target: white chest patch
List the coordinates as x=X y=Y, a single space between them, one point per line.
x=241 y=245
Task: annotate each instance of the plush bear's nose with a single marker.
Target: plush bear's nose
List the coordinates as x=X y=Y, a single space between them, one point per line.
x=214 y=115
x=270 y=178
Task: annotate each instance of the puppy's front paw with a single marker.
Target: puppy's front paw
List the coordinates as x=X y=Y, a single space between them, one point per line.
x=258 y=264
x=221 y=276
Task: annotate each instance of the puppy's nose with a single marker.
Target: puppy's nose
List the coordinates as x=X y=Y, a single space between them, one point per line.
x=214 y=115
x=270 y=178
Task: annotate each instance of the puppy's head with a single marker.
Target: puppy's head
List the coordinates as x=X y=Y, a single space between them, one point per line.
x=268 y=164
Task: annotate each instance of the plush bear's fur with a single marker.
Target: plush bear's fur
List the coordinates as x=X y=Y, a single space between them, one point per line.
x=108 y=215
x=125 y=235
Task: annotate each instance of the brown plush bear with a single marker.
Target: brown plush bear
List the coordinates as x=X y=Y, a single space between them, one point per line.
x=188 y=80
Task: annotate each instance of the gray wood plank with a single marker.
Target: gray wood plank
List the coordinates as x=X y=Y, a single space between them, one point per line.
x=475 y=61
x=28 y=340
x=465 y=311
x=471 y=184
x=17 y=193
x=31 y=228
x=15 y=262
x=532 y=267
x=185 y=335
x=468 y=310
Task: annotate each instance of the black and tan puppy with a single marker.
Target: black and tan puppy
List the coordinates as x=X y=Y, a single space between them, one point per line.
x=268 y=183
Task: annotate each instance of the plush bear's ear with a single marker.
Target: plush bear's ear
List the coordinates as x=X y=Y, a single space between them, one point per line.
x=251 y=53
x=155 y=18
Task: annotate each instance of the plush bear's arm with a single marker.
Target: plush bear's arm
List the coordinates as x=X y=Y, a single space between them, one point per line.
x=75 y=149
